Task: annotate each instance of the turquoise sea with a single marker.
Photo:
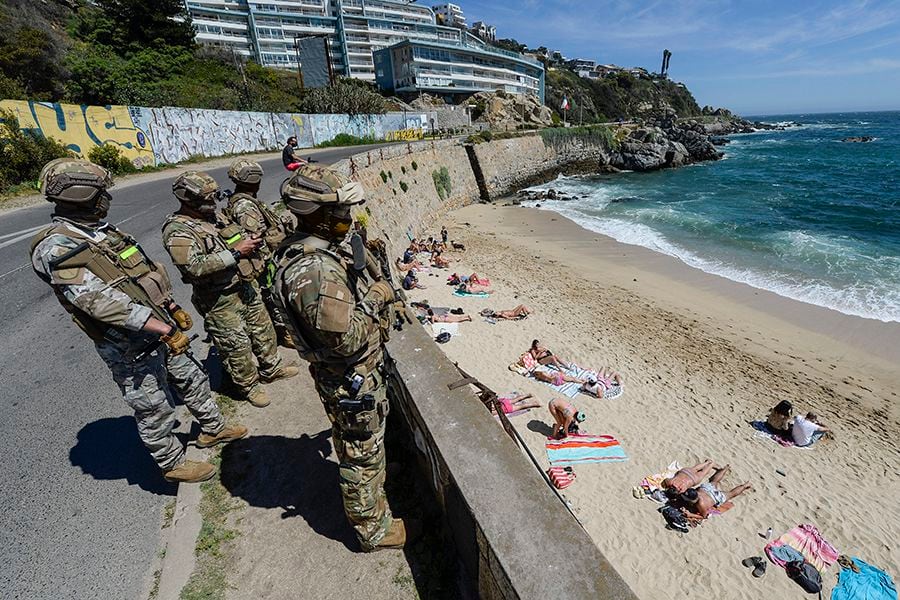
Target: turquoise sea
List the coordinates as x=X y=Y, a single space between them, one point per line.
x=797 y=212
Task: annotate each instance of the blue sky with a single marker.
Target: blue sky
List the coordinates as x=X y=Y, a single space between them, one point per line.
x=755 y=57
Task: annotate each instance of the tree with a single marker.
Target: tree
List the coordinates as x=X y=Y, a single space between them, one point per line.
x=140 y=24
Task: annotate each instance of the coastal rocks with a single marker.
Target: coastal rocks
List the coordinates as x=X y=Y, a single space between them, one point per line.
x=649 y=149
x=858 y=139
x=533 y=195
x=510 y=111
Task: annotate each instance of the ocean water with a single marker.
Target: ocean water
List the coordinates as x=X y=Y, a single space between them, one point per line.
x=795 y=212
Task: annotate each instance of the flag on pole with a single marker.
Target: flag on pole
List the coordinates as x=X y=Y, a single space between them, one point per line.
x=565 y=103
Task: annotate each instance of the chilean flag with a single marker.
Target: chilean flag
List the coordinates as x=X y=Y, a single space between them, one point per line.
x=565 y=103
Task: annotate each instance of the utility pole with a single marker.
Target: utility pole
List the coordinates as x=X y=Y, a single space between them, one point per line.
x=299 y=66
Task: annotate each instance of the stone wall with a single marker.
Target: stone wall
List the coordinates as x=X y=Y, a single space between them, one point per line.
x=481 y=485
x=511 y=164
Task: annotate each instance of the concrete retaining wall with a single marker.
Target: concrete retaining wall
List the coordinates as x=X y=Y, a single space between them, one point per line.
x=485 y=485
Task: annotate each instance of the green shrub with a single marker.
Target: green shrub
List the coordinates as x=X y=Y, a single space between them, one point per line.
x=110 y=158
x=403 y=169
x=24 y=153
x=383 y=177
x=403 y=186
x=345 y=139
x=415 y=166
x=442 y=184
x=599 y=135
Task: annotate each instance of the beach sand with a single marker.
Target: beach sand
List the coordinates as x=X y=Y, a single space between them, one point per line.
x=701 y=357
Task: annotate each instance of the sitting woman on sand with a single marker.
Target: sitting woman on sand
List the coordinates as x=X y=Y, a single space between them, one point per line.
x=545 y=357
x=707 y=499
x=566 y=418
x=446 y=318
x=439 y=261
x=805 y=431
x=779 y=419
x=513 y=314
x=515 y=403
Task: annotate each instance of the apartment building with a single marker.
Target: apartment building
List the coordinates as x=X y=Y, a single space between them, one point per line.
x=486 y=32
x=264 y=30
x=455 y=70
x=450 y=14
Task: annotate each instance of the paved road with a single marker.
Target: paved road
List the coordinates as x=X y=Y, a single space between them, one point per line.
x=81 y=500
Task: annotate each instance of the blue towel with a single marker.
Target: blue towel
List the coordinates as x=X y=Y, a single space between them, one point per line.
x=786 y=553
x=468 y=295
x=871 y=583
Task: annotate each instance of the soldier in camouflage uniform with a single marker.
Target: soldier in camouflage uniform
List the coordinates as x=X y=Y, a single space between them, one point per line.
x=259 y=219
x=123 y=301
x=221 y=262
x=340 y=312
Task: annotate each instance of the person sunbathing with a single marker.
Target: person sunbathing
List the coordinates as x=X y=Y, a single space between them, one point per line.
x=513 y=314
x=606 y=379
x=547 y=358
x=690 y=477
x=404 y=267
x=565 y=417
x=446 y=318
x=516 y=403
x=779 y=419
x=556 y=378
x=707 y=498
x=469 y=287
x=439 y=261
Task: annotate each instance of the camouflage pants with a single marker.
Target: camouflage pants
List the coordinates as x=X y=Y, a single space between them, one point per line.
x=241 y=329
x=145 y=388
x=359 y=444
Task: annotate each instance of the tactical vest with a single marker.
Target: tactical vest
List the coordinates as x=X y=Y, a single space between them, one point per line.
x=222 y=235
x=304 y=337
x=275 y=232
x=118 y=261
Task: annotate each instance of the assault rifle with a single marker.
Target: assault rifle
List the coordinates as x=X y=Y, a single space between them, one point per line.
x=152 y=346
x=363 y=255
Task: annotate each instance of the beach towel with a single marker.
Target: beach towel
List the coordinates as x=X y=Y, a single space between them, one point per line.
x=470 y=295
x=451 y=328
x=871 y=583
x=806 y=540
x=764 y=431
x=561 y=477
x=584 y=448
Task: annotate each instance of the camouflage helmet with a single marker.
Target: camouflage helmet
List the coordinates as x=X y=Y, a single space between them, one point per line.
x=73 y=180
x=313 y=187
x=245 y=171
x=194 y=187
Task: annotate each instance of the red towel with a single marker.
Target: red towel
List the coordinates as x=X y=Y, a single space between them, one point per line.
x=560 y=477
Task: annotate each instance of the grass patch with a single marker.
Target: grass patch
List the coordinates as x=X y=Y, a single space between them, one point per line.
x=209 y=579
x=599 y=135
x=403 y=580
x=442 y=184
x=168 y=514
x=404 y=186
x=154 y=591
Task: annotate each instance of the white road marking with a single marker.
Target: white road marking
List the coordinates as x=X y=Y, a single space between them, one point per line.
x=32 y=230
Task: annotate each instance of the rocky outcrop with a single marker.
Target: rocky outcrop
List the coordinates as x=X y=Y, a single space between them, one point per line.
x=663 y=146
x=858 y=139
x=510 y=111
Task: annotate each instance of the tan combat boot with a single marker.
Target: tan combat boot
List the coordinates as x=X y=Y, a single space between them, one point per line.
x=400 y=533
x=285 y=372
x=285 y=340
x=229 y=434
x=258 y=398
x=190 y=471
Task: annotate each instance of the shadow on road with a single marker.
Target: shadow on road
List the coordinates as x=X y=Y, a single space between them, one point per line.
x=273 y=471
x=111 y=449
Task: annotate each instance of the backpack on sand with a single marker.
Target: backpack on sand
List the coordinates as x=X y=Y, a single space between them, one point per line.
x=805 y=575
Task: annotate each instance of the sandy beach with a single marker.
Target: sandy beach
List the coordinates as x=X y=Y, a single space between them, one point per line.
x=702 y=357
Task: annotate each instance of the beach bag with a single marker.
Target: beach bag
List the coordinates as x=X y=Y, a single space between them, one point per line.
x=561 y=477
x=674 y=518
x=805 y=575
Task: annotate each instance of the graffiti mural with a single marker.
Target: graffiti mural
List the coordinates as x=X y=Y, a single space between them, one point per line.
x=153 y=136
x=84 y=127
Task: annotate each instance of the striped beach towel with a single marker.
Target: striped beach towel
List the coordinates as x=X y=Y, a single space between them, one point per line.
x=806 y=540
x=471 y=295
x=570 y=390
x=584 y=448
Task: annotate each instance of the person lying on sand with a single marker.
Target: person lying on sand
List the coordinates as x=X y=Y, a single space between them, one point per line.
x=447 y=318
x=520 y=402
x=707 y=498
x=806 y=431
x=779 y=419
x=687 y=478
x=556 y=378
x=474 y=288
x=606 y=379
x=513 y=314
x=566 y=418
x=456 y=279
x=547 y=358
